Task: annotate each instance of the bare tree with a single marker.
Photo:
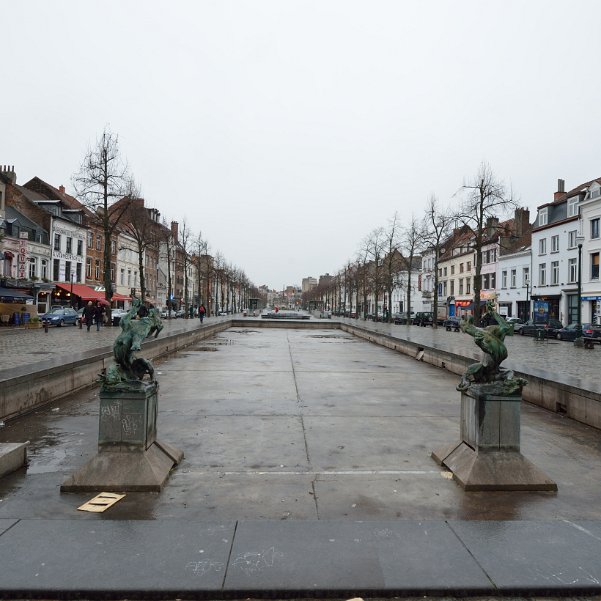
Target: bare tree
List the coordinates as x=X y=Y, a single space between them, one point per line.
x=138 y=225
x=392 y=260
x=102 y=180
x=374 y=248
x=185 y=248
x=438 y=225
x=485 y=197
x=411 y=245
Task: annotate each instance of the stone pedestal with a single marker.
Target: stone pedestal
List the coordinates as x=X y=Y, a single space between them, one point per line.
x=13 y=456
x=488 y=455
x=129 y=458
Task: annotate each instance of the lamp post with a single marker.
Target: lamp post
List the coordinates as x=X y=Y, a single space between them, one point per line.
x=71 y=277
x=527 y=286
x=578 y=341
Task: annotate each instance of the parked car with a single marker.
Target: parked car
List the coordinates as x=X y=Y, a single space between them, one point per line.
x=570 y=331
x=116 y=315
x=61 y=316
x=517 y=323
x=423 y=318
x=549 y=328
x=452 y=324
x=402 y=318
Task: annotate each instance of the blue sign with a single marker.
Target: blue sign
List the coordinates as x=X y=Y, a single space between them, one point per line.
x=541 y=311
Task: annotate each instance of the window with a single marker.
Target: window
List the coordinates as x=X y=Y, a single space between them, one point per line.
x=78 y=272
x=57 y=242
x=555 y=243
x=493 y=281
x=444 y=271
x=468 y=285
x=594 y=193
x=122 y=280
x=595 y=228
x=80 y=248
x=113 y=247
x=452 y=287
x=452 y=269
x=461 y=286
x=460 y=267
x=542 y=274
x=44 y=270
x=555 y=273
x=469 y=266
x=514 y=273
x=88 y=267
x=572 y=271
x=135 y=279
x=129 y=277
x=56 y=264
x=97 y=270
x=440 y=272
x=594 y=266
x=503 y=279
x=113 y=270
x=69 y=245
x=98 y=242
x=573 y=206
x=32 y=269
x=525 y=276
x=572 y=238
x=486 y=281
x=90 y=239
x=542 y=246
x=543 y=216
x=67 y=271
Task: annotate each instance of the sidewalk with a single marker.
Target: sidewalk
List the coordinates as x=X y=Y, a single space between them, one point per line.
x=307 y=473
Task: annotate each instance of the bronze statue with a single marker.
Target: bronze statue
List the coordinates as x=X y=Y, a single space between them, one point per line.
x=491 y=340
x=127 y=370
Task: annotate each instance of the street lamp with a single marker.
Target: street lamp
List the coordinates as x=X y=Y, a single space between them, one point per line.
x=578 y=341
x=72 y=277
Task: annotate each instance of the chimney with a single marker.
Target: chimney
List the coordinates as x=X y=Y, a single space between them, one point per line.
x=174 y=232
x=561 y=189
x=61 y=189
x=9 y=171
x=491 y=226
x=521 y=221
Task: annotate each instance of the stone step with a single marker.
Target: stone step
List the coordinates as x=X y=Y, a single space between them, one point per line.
x=13 y=455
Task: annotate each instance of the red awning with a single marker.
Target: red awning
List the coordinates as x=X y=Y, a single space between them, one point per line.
x=120 y=297
x=84 y=292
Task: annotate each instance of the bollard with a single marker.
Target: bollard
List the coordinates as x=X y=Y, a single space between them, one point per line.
x=46 y=326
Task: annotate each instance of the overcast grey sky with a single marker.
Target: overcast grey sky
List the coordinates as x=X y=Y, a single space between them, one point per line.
x=286 y=131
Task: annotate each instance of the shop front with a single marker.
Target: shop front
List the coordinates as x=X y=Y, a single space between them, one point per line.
x=591 y=308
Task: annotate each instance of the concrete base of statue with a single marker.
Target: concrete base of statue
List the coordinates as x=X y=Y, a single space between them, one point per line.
x=487 y=456
x=129 y=458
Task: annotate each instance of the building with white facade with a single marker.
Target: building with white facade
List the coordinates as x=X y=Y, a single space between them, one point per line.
x=513 y=279
x=590 y=241
x=554 y=274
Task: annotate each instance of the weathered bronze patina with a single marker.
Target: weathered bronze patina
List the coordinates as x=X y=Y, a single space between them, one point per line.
x=128 y=370
x=487 y=374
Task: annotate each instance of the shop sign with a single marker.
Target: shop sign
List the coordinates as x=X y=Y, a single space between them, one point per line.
x=22 y=259
x=541 y=311
x=591 y=298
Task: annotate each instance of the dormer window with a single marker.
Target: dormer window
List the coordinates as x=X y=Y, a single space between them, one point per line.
x=594 y=192
x=543 y=216
x=573 y=206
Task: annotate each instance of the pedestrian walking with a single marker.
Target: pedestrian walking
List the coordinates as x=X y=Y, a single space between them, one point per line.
x=191 y=311
x=98 y=315
x=88 y=314
x=201 y=312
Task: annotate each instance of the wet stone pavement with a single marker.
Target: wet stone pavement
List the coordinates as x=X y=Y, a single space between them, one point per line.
x=290 y=424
